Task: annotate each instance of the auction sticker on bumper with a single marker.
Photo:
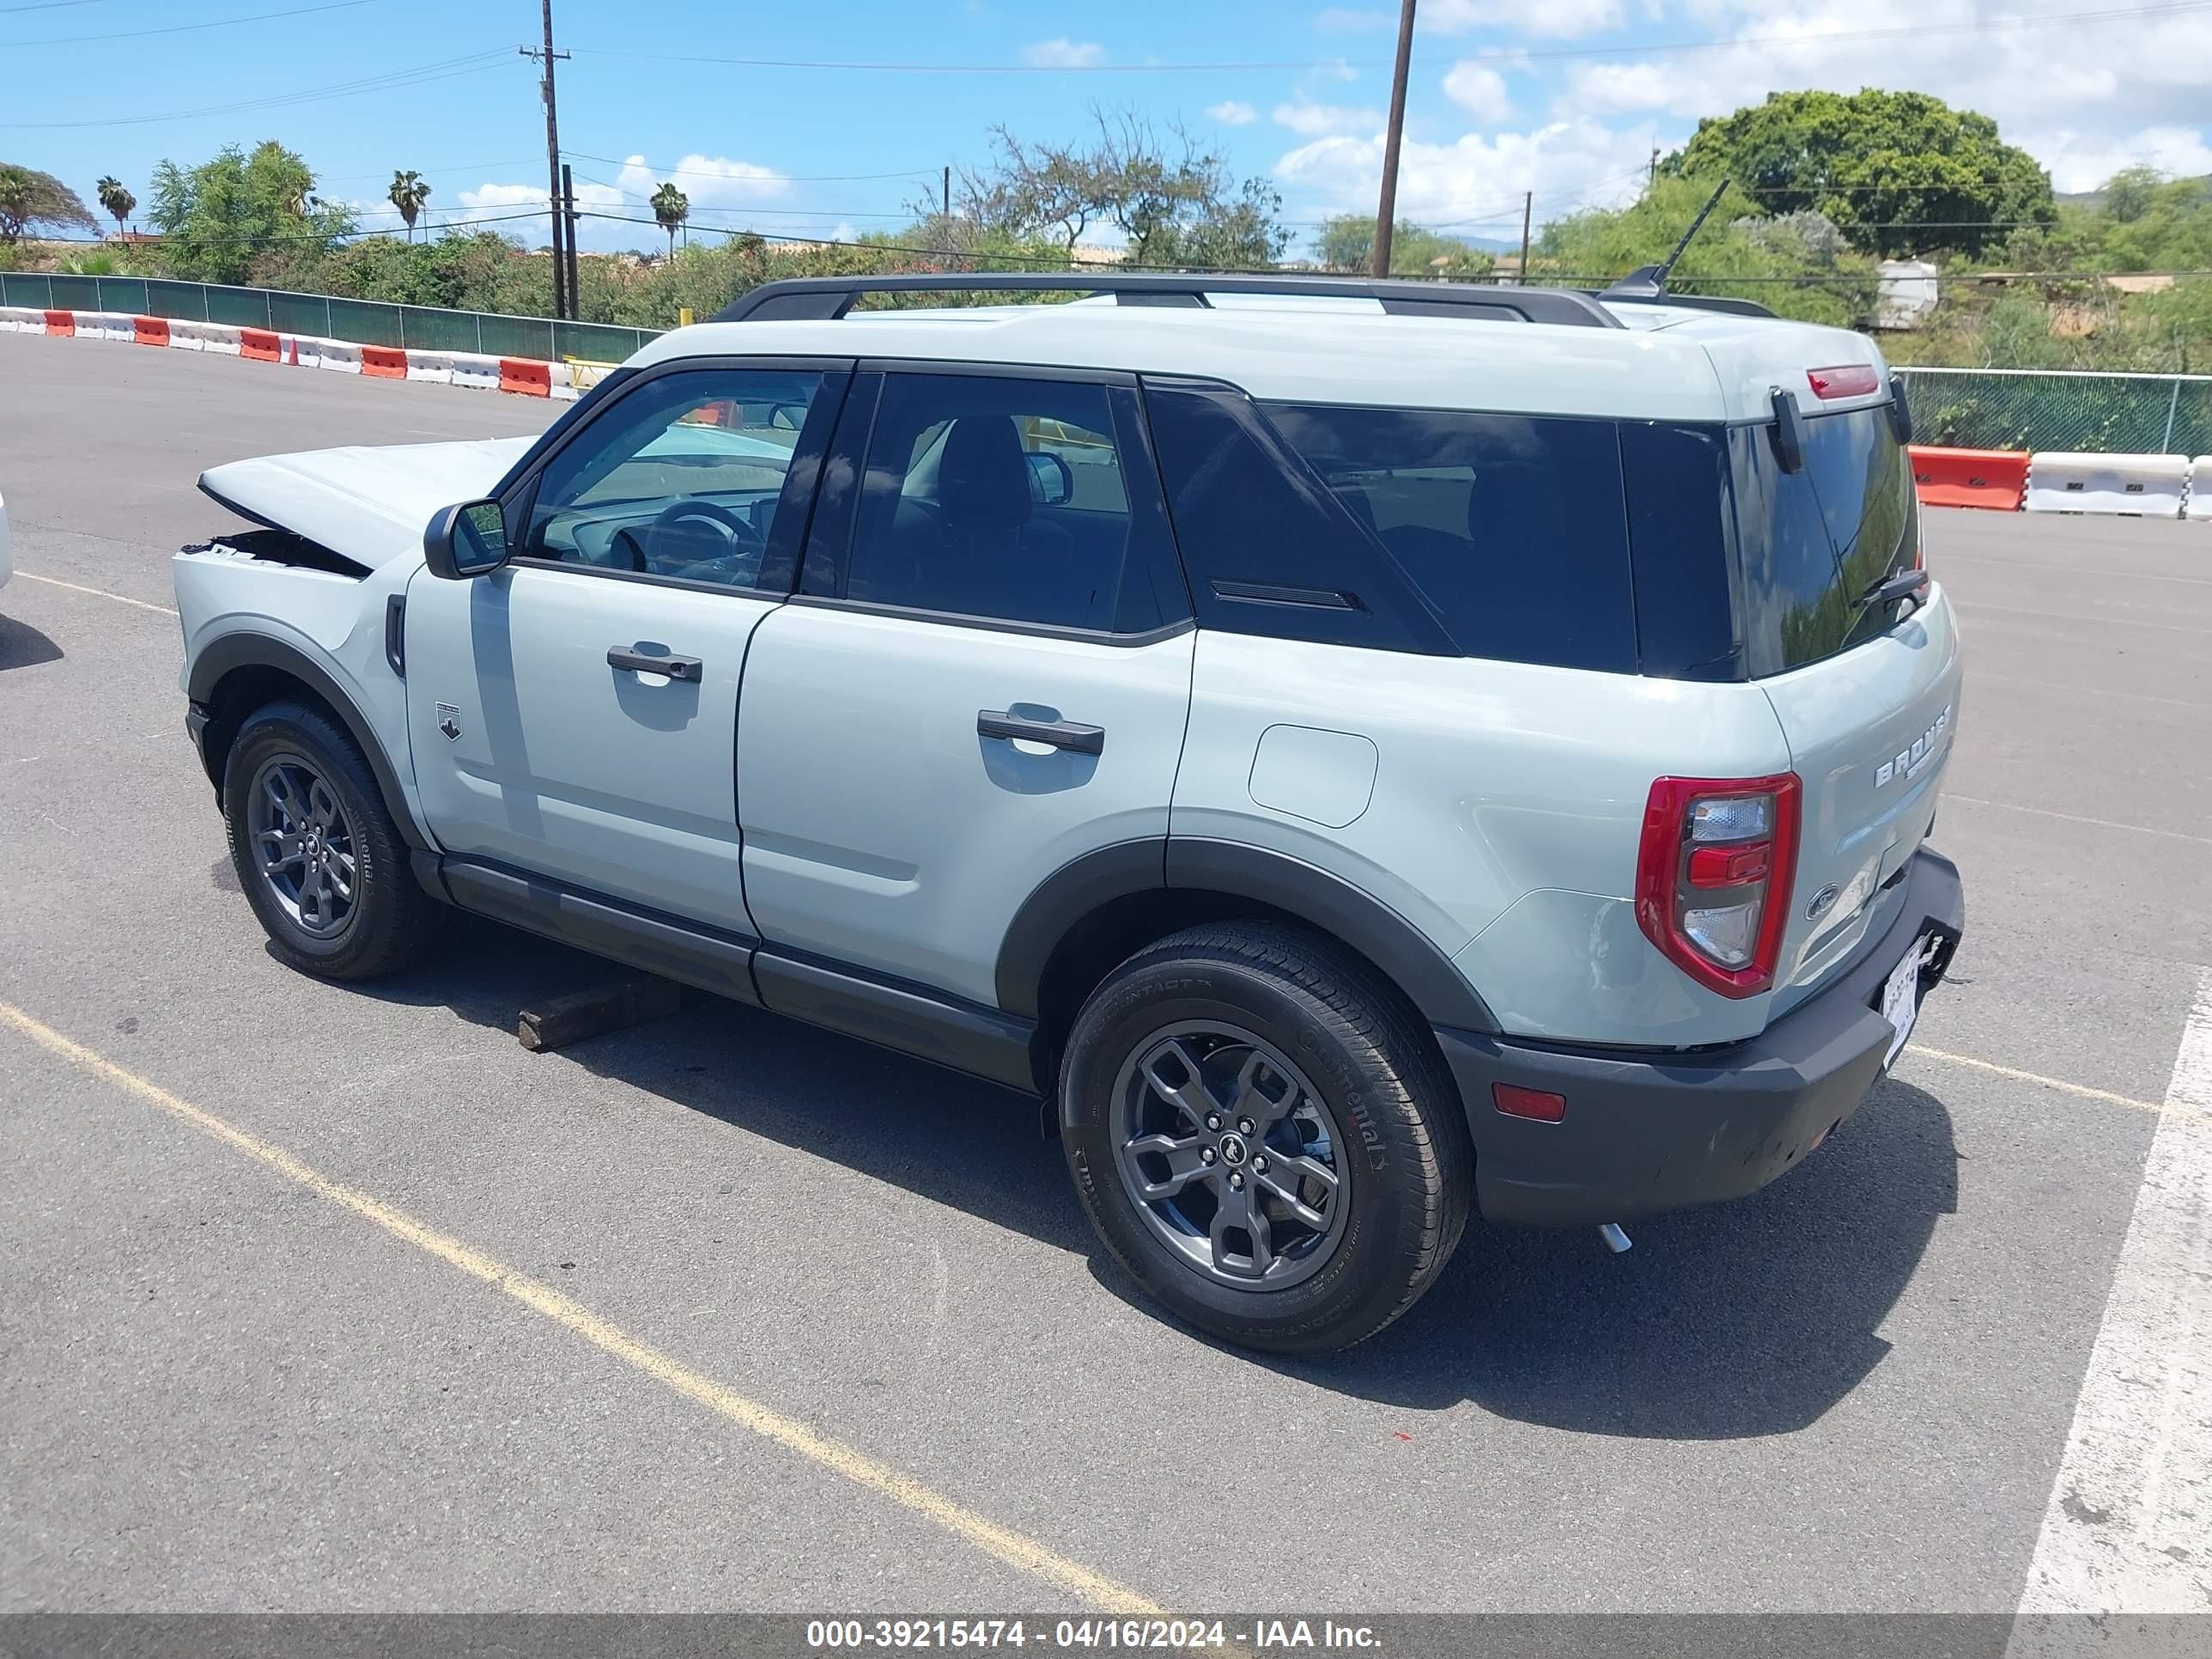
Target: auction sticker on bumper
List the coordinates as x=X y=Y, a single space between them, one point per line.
x=1900 y=999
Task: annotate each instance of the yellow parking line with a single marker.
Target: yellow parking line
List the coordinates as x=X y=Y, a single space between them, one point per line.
x=2064 y=1087
x=96 y=593
x=1022 y=1553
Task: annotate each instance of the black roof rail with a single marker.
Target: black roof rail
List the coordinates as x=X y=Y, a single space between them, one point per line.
x=820 y=298
x=1640 y=287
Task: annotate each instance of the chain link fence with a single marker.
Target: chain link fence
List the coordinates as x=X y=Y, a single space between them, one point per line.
x=2062 y=410
x=363 y=322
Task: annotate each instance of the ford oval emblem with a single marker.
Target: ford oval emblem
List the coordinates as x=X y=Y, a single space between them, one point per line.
x=1821 y=902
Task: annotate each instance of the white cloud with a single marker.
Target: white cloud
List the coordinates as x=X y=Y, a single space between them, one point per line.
x=1318 y=120
x=1558 y=20
x=1344 y=20
x=711 y=182
x=1480 y=90
x=1233 y=112
x=1473 y=185
x=1064 y=53
x=2081 y=162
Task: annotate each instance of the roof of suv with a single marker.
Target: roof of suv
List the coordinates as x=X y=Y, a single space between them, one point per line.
x=1665 y=365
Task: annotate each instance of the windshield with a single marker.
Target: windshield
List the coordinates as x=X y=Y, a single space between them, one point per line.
x=1810 y=543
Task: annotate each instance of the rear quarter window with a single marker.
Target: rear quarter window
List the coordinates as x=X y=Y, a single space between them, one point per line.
x=1512 y=527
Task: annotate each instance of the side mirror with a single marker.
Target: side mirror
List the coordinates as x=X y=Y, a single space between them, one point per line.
x=465 y=541
x=1051 y=484
x=1789 y=430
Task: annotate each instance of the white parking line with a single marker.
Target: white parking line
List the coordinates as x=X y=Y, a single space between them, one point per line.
x=96 y=593
x=2129 y=1527
x=2075 y=818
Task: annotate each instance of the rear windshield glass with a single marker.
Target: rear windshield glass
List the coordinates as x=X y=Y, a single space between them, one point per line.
x=1511 y=525
x=1811 y=542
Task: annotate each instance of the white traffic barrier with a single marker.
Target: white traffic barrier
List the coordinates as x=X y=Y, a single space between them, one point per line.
x=2151 y=485
x=473 y=368
x=104 y=325
x=2200 y=487
x=288 y=349
x=560 y=382
x=430 y=366
x=220 y=337
x=21 y=319
x=341 y=356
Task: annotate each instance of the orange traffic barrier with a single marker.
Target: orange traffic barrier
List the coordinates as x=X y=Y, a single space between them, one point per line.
x=258 y=344
x=1995 y=478
x=530 y=379
x=384 y=363
x=150 y=330
x=61 y=322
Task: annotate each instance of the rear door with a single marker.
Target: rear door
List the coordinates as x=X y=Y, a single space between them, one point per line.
x=985 y=675
x=1868 y=696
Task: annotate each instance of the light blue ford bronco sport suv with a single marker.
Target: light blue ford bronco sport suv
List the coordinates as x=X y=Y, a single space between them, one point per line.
x=1361 y=752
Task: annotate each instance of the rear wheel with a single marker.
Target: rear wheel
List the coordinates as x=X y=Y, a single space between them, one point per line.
x=316 y=850
x=1262 y=1138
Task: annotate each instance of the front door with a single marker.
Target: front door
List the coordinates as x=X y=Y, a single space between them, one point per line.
x=985 y=674
x=574 y=715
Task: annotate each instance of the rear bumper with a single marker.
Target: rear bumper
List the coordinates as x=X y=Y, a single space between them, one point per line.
x=1645 y=1133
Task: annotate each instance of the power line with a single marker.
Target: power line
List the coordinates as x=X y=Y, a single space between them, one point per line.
x=773 y=178
x=187 y=28
x=421 y=75
x=2001 y=26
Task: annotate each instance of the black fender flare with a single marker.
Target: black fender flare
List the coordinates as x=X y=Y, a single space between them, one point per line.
x=233 y=651
x=1277 y=880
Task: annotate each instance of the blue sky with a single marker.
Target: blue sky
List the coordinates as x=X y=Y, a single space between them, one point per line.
x=1566 y=98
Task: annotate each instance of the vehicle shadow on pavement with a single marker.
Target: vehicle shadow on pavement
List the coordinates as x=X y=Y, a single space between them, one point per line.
x=22 y=646
x=1732 y=1321
x=1729 y=1321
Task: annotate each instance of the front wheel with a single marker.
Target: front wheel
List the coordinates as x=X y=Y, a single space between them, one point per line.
x=1261 y=1136
x=316 y=850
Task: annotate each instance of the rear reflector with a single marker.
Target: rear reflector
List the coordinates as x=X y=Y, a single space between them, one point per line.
x=1535 y=1105
x=1844 y=380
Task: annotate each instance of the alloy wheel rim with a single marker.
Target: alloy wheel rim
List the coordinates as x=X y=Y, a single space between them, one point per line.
x=1230 y=1156
x=303 y=845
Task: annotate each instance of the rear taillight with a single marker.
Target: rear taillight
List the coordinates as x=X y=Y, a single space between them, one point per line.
x=1713 y=875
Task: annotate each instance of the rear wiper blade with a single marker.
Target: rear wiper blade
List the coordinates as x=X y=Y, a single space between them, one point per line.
x=1904 y=585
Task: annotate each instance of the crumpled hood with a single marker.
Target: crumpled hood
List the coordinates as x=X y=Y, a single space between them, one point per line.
x=368 y=503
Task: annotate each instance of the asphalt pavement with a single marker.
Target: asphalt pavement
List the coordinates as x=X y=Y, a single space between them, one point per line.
x=221 y=1389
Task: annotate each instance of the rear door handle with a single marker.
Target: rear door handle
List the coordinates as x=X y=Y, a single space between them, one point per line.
x=1060 y=734
x=644 y=662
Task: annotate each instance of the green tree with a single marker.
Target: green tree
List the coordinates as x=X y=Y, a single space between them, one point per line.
x=216 y=218
x=1347 y=242
x=117 y=200
x=407 y=193
x=1739 y=253
x=1898 y=172
x=1173 y=201
x=29 y=197
x=671 y=207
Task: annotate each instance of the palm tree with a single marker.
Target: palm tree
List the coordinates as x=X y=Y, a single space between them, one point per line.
x=407 y=193
x=117 y=200
x=671 y=207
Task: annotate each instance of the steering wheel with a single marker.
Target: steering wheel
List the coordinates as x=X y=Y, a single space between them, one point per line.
x=666 y=537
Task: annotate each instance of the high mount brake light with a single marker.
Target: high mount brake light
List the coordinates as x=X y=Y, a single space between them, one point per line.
x=1844 y=380
x=1714 y=875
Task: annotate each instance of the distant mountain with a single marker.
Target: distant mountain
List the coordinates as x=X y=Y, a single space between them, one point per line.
x=2093 y=199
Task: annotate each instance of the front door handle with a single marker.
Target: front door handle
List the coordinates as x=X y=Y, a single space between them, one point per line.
x=1060 y=734
x=644 y=662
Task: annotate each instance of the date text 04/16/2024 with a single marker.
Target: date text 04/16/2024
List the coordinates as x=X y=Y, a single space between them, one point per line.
x=1164 y=1635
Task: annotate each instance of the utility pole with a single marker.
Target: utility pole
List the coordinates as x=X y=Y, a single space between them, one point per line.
x=1527 y=206
x=568 y=218
x=1386 y=212
x=947 y=196
x=552 y=158
x=1651 y=178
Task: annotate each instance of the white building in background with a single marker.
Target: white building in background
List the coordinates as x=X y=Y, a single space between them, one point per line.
x=1905 y=293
